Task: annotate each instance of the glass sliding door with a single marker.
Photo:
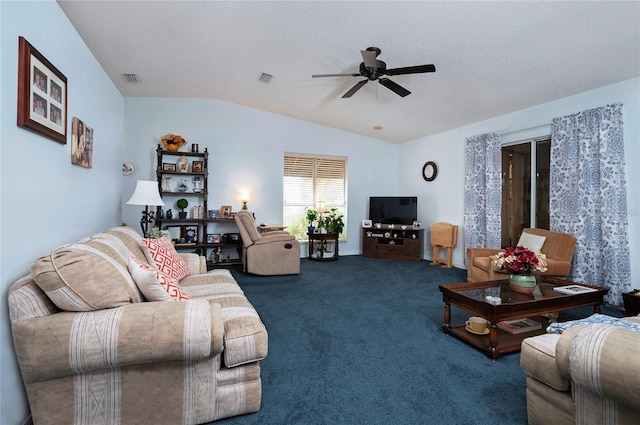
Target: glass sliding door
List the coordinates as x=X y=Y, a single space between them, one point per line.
x=525 y=188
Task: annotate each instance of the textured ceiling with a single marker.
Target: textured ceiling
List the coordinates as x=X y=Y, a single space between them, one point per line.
x=491 y=57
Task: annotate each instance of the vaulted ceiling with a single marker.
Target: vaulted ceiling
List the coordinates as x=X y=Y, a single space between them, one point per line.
x=492 y=57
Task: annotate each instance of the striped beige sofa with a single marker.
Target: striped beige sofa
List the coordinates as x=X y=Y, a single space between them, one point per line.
x=588 y=375
x=111 y=357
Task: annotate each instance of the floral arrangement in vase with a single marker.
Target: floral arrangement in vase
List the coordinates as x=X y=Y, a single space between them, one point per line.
x=172 y=142
x=520 y=261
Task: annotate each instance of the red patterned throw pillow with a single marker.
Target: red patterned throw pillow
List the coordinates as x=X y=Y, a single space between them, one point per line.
x=166 y=258
x=154 y=284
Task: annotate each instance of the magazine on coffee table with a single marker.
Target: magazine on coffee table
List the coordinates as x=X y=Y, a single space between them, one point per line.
x=519 y=325
x=573 y=289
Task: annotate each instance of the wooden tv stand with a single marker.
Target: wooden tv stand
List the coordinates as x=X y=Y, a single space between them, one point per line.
x=394 y=244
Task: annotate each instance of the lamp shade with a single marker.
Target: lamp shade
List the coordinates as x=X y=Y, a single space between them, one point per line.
x=146 y=193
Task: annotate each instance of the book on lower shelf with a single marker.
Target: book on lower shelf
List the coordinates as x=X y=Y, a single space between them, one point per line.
x=519 y=325
x=573 y=289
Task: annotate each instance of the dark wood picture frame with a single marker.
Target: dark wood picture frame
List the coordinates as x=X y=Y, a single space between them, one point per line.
x=196 y=166
x=190 y=233
x=42 y=94
x=168 y=167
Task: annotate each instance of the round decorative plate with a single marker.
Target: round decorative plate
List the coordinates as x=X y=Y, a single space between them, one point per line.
x=127 y=168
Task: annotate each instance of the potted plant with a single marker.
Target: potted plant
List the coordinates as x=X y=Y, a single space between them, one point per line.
x=156 y=233
x=312 y=215
x=182 y=204
x=333 y=221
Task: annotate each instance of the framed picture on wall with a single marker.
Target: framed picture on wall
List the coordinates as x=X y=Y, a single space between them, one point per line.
x=42 y=94
x=196 y=166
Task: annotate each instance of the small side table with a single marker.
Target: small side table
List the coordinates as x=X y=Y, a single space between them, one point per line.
x=322 y=246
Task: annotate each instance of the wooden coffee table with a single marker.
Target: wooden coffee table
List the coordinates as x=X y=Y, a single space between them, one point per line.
x=471 y=297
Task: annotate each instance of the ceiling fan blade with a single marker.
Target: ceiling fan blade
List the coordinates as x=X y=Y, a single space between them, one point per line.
x=354 y=89
x=418 y=69
x=369 y=57
x=396 y=88
x=334 y=75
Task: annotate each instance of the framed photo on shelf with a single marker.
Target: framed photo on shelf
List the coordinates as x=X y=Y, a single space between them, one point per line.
x=225 y=211
x=213 y=238
x=42 y=94
x=191 y=233
x=417 y=225
x=175 y=232
x=366 y=224
x=214 y=214
x=196 y=166
x=168 y=167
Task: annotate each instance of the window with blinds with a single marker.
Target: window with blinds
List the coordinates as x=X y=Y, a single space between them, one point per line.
x=309 y=180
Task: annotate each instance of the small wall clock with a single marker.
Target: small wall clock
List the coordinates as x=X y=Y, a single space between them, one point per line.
x=429 y=171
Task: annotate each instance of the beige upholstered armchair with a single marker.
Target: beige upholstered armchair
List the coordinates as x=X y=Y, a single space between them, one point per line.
x=275 y=253
x=558 y=247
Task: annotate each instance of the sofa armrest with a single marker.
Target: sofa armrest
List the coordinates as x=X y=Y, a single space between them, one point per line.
x=481 y=252
x=558 y=268
x=68 y=343
x=267 y=239
x=603 y=359
x=197 y=263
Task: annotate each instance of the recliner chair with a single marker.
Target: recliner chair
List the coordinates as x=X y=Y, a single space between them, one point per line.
x=558 y=247
x=275 y=253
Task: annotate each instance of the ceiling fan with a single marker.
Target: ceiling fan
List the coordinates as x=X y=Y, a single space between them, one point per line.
x=374 y=69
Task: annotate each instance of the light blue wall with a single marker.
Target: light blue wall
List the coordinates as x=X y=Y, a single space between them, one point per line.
x=443 y=199
x=46 y=201
x=246 y=149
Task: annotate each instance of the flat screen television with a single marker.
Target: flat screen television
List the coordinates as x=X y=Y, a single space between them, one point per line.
x=393 y=209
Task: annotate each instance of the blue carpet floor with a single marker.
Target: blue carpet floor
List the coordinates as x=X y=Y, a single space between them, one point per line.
x=359 y=341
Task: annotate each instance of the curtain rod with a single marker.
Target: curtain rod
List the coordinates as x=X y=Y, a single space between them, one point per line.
x=525 y=129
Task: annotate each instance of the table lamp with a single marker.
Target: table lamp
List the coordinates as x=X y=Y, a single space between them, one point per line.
x=146 y=194
x=244 y=198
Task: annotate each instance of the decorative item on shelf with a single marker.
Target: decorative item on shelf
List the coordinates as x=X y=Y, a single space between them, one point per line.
x=197 y=184
x=197 y=166
x=182 y=186
x=225 y=211
x=172 y=142
x=146 y=193
x=166 y=184
x=183 y=164
x=182 y=204
x=521 y=263
x=196 y=212
x=195 y=148
x=169 y=214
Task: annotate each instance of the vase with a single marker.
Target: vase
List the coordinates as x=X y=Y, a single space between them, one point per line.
x=522 y=283
x=172 y=148
x=183 y=164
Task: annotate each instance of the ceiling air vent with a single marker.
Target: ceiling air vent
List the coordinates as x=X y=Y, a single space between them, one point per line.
x=265 y=78
x=131 y=78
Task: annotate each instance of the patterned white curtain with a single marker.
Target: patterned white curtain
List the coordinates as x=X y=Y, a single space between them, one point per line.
x=588 y=196
x=483 y=191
